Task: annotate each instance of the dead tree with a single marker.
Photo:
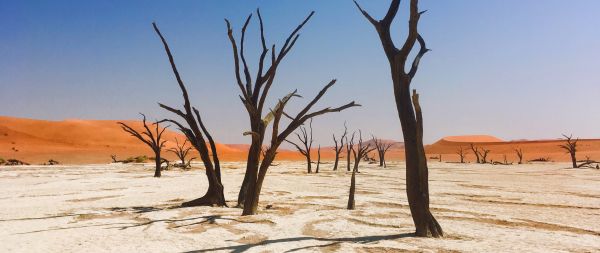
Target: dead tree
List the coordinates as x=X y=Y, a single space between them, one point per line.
x=359 y=152
x=181 y=151
x=417 y=182
x=382 y=148
x=253 y=96
x=151 y=138
x=318 y=158
x=349 y=145
x=476 y=152
x=519 y=152
x=339 y=146
x=483 y=153
x=114 y=158
x=461 y=153
x=571 y=148
x=195 y=131
x=307 y=140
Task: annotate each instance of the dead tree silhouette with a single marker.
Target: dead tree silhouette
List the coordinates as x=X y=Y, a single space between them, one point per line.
x=253 y=96
x=571 y=147
x=181 y=151
x=339 y=146
x=150 y=138
x=195 y=132
x=358 y=152
x=475 y=152
x=318 y=159
x=461 y=153
x=382 y=148
x=417 y=182
x=483 y=153
x=307 y=140
x=349 y=145
x=519 y=152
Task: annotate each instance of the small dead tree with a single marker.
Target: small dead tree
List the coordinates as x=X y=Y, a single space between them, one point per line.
x=349 y=145
x=381 y=148
x=483 y=153
x=181 y=151
x=571 y=147
x=359 y=152
x=318 y=158
x=519 y=152
x=461 y=153
x=253 y=96
x=151 y=138
x=307 y=140
x=339 y=146
x=476 y=152
x=411 y=120
x=195 y=132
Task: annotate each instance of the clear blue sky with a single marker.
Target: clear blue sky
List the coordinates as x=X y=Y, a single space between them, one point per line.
x=510 y=68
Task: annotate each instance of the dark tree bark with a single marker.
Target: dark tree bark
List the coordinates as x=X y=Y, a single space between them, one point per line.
x=519 y=152
x=359 y=152
x=195 y=131
x=571 y=147
x=417 y=183
x=476 y=152
x=307 y=140
x=338 y=147
x=381 y=148
x=253 y=97
x=461 y=153
x=181 y=151
x=150 y=138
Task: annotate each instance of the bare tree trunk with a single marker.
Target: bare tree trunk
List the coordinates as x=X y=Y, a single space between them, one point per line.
x=318 y=158
x=150 y=138
x=158 y=162
x=350 y=205
x=417 y=185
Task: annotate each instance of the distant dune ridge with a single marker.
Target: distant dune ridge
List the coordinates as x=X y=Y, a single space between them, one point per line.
x=93 y=141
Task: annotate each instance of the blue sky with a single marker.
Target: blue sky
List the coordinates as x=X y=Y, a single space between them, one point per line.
x=510 y=68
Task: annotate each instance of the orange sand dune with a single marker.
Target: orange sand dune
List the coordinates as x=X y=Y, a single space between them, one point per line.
x=532 y=149
x=89 y=141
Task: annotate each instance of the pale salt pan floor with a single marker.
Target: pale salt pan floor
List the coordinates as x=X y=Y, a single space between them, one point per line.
x=122 y=208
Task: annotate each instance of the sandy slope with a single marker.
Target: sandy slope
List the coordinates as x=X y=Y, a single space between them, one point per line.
x=121 y=208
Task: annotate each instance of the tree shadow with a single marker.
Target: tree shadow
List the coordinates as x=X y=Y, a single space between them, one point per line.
x=332 y=241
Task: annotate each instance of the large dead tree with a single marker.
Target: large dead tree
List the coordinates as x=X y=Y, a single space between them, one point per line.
x=151 y=138
x=461 y=153
x=381 y=148
x=253 y=96
x=306 y=138
x=339 y=146
x=417 y=182
x=475 y=152
x=359 y=152
x=195 y=131
x=571 y=147
x=182 y=151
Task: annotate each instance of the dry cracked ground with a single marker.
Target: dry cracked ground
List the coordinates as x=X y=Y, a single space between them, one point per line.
x=122 y=208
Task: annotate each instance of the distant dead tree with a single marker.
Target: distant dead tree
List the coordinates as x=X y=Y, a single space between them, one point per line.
x=475 y=152
x=571 y=147
x=349 y=145
x=195 y=132
x=339 y=146
x=461 y=153
x=359 y=152
x=519 y=152
x=114 y=158
x=411 y=120
x=253 y=96
x=318 y=158
x=151 y=138
x=483 y=153
x=382 y=148
x=181 y=151
x=307 y=140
